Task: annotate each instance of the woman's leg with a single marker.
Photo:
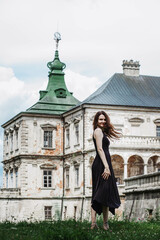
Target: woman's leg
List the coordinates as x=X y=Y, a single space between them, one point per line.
x=105 y=217
x=93 y=215
x=93 y=219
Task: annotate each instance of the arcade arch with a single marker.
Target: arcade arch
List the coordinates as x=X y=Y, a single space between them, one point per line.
x=153 y=164
x=118 y=167
x=135 y=166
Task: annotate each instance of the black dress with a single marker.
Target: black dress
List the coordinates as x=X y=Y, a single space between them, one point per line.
x=104 y=192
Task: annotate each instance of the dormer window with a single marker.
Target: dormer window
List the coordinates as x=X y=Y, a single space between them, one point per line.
x=60 y=93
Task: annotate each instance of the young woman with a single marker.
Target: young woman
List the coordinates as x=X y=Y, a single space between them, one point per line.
x=105 y=195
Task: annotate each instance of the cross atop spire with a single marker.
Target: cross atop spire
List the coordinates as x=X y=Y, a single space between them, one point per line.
x=57 y=38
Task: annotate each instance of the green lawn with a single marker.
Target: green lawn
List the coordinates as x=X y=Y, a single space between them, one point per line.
x=68 y=230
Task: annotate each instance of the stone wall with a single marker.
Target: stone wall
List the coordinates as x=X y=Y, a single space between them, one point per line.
x=142 y=196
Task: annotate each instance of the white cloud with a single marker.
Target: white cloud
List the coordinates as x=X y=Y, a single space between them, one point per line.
x=15 y=94
x=80 y=85
x=10 y=86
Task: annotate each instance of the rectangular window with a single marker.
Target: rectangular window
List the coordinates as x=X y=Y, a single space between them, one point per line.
x=75 y=212
x=48 y=139
x=48 y=212
x=47 y=178
x=6 y=179
x=77 y=176
x=67 y=137
x=16 y=175
x=11 y=175
x=67 y=177
x=77 y=133
x=65 y=212
x=158 y=131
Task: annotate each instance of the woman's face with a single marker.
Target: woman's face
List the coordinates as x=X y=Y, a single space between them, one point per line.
x=101 y=121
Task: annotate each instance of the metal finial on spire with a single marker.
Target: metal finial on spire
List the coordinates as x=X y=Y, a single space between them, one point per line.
x=57 y=38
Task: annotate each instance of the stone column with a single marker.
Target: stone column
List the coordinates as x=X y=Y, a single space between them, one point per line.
x=145 y=168
x=125 y=170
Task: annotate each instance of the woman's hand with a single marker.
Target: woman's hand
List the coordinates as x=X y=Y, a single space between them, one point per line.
x=106 y=173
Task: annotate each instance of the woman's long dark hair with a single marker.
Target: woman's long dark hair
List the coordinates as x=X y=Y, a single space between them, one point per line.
x=109 y=129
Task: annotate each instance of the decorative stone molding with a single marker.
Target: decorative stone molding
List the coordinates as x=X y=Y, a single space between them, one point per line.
x=17 y=164
x=157 y=121
x=49 y=126
x=6 y=167
x=34 y=123
x=76 y=120
x=67 y=124
x=16 y=126
x=6 y=131
x=66 y=165
x=11 y=129
x=11 y=166
x=48 y=166
x=76 y=163
x=136 y=120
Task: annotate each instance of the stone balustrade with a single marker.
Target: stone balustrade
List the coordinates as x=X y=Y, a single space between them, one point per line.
x=145 y=182
x=134 y=142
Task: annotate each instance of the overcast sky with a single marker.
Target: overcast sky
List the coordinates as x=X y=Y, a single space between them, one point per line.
x=97 y=35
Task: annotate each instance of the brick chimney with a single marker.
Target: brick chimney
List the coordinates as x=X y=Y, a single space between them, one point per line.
x=131 y=68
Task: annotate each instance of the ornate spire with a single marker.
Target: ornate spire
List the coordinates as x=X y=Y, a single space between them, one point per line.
x=57 y=38
x=56 y=66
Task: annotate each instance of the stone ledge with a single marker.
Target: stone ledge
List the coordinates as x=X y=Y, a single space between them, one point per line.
x=151 y=189
x=142 y=176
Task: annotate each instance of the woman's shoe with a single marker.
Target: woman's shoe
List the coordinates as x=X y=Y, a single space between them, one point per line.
x=94 y=225
x=105 y=226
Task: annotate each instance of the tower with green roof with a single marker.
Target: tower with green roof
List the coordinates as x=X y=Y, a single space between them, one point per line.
x=56 y=99
x=33 y=154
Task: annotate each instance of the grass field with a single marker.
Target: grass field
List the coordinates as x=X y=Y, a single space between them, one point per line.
x=72 y=230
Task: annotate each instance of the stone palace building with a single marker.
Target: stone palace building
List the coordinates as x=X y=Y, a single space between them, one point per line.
x=48 y=149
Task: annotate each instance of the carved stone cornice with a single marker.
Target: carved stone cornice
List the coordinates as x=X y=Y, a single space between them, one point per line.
x=48 y=166
x=48 y=126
